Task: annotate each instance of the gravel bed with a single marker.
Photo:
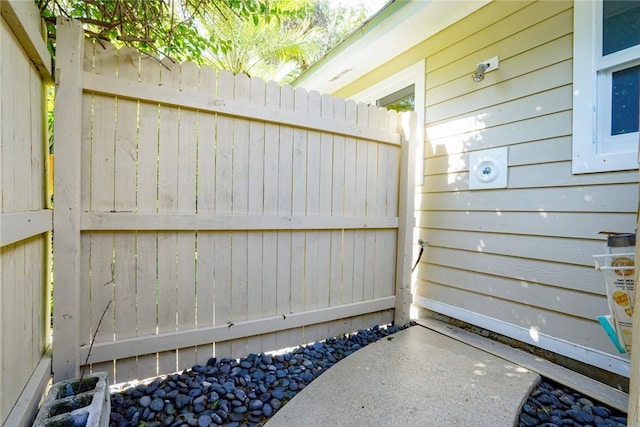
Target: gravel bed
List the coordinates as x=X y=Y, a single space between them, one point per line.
x=551 y=405
x=234 y=392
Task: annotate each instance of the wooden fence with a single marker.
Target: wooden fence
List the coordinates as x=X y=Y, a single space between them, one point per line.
x=209 y=214
x=25 y=219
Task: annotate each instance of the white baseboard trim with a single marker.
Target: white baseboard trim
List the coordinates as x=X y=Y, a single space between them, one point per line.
x=617 y=364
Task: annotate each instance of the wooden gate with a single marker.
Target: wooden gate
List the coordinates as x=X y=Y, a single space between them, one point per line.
x=200 y=213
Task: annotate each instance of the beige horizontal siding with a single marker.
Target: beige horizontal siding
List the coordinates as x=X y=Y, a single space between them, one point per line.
x=542 y=199
x=579 y=304
x=521 y=255
x=582 y=225
x=565 y=276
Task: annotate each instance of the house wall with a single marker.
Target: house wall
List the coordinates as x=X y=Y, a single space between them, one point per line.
x=515 y=260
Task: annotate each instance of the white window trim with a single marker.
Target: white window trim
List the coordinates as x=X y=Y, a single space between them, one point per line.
x=413 y=75
x=586 y=42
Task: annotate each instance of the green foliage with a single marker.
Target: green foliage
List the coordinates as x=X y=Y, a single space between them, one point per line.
x=271 y=39
x=164 y=27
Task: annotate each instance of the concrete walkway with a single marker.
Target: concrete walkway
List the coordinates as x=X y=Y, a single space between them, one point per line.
x=417 y=377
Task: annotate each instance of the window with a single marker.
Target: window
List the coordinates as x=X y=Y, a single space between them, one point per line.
x=606 y=78
x=402 y=100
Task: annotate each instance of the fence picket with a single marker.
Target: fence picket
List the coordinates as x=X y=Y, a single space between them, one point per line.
x=125 y=201
x=313 y=274
x=103 y=199
x=147 y=242
x=298 y=207
x=361 y=250
x=206 y=190
x=256 y=200
x=240 y=199
x=186 y=203
x=169 y=125
x=285 y=238
x=224 y=158
x=270 y=207
x=84 y=292
x=337 y=250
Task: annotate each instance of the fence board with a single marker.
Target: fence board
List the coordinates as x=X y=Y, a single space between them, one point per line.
x=298 y=207
x=168 y=143
x=205 y=202
x=147 y=242
x=285 y=238
x=259 y=218
x=102 y=198
x=224 y=155
x=125 y=200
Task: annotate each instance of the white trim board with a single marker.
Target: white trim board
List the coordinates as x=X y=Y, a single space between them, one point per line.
x=616 y=364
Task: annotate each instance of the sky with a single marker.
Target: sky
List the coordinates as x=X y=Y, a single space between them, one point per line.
x=372 y=5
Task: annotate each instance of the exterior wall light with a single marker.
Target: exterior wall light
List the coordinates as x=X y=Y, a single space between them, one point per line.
x=478 y=74
x=484 y=67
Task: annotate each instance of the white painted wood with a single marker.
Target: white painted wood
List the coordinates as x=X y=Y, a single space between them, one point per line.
x=26 y=407
x=147 y=242
x=240 y=206
x=67 y=178
x=25 y=22
x=360 y=248
x=186 y=202
x=404 y=251
x=349 y=199
x=298 y=207
x=19 y=226
x=284 y=207
x=206 y=221
x=126 y=144
x=371 y=208
x=337 y=280
x=255 y=204
x=223 y=105
x=102 y=198
x=270 y=190
x=206 y=190
x=224 y=332
x=223 y=206
x=168 y=145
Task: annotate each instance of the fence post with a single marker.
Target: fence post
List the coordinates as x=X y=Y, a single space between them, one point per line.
x=406 y=218
x=66 y=218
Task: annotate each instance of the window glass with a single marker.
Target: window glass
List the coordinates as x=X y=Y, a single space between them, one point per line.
x=619 y=25
x=625 y=95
